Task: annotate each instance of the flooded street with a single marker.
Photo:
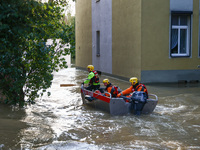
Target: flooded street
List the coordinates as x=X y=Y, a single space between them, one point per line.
x=61 y=122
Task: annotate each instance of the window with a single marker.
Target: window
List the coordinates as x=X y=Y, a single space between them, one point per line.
x=97 y=1
x=180 y=35
x=98 y=43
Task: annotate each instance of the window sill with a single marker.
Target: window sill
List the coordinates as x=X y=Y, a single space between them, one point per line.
x=179 y=55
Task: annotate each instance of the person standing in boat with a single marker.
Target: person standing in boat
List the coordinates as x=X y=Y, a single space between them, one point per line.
x=135 y=86
x=113 y=90
x=93 y=79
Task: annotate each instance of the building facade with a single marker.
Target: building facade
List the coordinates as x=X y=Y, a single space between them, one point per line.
x=154 y=40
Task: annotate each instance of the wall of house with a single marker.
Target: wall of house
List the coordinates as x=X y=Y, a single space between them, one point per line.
x=102 y=22
x=157 y=66
x=155 y=38
x=195 y=38
x=126 y=38
x=83 y=33
x=199 y=35
x=155 y=34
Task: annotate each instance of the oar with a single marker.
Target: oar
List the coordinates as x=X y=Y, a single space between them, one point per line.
x=65 y=85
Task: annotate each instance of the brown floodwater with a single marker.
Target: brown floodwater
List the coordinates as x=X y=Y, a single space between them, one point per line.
x=61 y=122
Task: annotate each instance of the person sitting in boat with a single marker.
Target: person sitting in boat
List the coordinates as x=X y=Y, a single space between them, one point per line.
x=135 y=86
x=113 y=90
x=93 y=79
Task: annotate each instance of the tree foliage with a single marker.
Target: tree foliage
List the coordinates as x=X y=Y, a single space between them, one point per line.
x=72 y=42
x=26 y=62
x=71 y=22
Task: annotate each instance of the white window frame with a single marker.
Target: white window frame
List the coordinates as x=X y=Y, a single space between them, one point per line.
x=179 y=28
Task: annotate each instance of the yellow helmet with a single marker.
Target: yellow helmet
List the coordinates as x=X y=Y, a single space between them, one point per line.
x=91 y=67
x=106 y=81
x=133 y=80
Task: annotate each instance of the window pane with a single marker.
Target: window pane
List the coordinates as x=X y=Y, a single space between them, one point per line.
x=183 y=20
x=183 y=41
x=98 y=43
x=174 y=20
x=174 y=41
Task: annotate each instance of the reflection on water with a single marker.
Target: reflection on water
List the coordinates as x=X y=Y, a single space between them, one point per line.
x=62 y=122
x=10 y=126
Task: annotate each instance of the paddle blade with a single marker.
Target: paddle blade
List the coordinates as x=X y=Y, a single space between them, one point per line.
x=65 y=85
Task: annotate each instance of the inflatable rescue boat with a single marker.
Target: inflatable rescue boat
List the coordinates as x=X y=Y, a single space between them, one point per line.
x=136 y=104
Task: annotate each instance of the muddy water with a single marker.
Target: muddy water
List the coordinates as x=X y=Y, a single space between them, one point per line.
x=61 y=122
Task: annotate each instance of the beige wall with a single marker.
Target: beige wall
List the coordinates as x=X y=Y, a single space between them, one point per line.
x=155 y=34
x=83 y=33
x=126 y=37
x=195 y=34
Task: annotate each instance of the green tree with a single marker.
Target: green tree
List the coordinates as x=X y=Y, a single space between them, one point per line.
x=72 y=42
x=26 y=62
x=71 y=22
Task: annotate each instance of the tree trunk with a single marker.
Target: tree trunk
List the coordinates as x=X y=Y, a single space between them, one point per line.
x=2 y=97
x=21 y=100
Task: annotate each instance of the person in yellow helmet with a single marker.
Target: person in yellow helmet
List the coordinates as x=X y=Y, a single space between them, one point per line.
x=93 y=79
x=135 y=86
x=110 y=88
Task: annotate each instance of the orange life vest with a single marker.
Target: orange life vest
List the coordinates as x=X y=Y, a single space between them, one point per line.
x=113 y=90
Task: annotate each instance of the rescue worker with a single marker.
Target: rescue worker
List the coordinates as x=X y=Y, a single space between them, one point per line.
x=135 y=86
x=113 y=90
x=93 y=79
